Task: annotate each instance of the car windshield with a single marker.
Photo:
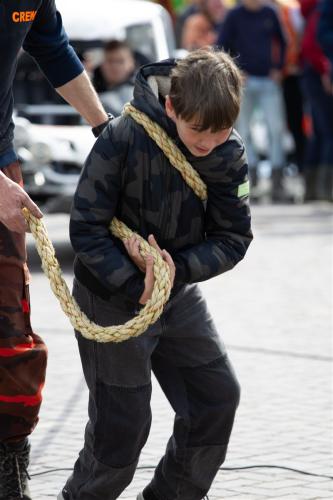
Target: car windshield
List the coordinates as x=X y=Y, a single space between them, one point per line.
x=35 y=99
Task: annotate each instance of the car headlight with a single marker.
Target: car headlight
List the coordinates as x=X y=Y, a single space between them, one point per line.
x=41 y=152
x=39 y=179
x=22 y=136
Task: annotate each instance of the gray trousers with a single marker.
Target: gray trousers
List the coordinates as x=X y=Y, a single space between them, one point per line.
x=184 y=351
x=266 y=95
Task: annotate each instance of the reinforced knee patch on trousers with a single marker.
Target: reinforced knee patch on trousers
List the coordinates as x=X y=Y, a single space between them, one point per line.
x=123 y=419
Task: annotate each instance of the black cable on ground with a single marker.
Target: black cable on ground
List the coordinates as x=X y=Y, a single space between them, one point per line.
x=151 y=467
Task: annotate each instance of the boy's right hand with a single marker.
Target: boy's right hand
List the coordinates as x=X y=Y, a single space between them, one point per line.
x=132 y=247
x=149 y=280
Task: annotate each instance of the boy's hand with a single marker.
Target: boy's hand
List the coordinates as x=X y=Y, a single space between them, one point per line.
x=149 y=280
x=165 y=255
x=132 y=247
x=147 y=266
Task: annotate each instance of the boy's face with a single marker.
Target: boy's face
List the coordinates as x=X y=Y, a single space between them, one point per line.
x=118 y=65
x=198 y=143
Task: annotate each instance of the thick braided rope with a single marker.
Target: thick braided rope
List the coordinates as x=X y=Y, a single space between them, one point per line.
x=90 y=330
x=171 y=151
x=162 y=287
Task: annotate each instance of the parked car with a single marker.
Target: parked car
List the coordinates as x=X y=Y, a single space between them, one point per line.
x=51 y=138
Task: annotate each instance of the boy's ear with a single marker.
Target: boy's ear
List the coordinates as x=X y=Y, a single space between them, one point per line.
x=169 y=108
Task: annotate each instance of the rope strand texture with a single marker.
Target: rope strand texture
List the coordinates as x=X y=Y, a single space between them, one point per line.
x=153 y=309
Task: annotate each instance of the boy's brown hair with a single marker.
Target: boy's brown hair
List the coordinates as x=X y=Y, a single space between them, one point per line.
x=207 y=85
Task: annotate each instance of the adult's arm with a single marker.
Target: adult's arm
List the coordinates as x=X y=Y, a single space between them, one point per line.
x=80 y=94
x=227 y=227
x=94 y=207
x=48 y=43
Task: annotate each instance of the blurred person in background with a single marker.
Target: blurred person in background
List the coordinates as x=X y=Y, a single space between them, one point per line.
x=292 y=23
x=114 y=78
x=250 y=32
x=202 y=27
x=325 y=29
x=191 y=8
x=317 y=86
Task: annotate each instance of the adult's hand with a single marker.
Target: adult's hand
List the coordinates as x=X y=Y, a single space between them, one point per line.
x=276 y=75
x=12 y=199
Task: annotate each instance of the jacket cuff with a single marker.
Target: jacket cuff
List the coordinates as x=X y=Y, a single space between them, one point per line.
x=181 y=274
x=7 y=158
x=133 y=288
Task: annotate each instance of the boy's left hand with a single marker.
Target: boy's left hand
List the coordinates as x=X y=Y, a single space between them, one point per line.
x=132 y=247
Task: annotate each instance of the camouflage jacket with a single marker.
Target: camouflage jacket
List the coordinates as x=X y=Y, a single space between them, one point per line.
x=128 y=176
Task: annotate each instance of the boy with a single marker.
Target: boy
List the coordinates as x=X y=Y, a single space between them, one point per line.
x=117 y=68
x=114 y=78
x=196 y=100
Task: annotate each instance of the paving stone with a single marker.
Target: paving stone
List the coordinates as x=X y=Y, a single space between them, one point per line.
x=273 y=313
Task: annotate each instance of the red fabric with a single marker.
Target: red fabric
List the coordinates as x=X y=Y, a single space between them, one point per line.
x=10 y=352
x=311 y=51
x=23 y=399
x=307 y=6
x=25 y=306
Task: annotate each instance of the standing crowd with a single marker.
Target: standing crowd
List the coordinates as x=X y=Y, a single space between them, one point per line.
x=285 y=51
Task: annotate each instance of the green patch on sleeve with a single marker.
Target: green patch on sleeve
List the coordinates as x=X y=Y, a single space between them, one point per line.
x=243 y=189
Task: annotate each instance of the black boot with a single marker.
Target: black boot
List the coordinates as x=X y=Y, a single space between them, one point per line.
x=14 y=461
x=253 y=176
x=278 y=191
x=324 y=183
x=310 y=180
x=254 y=182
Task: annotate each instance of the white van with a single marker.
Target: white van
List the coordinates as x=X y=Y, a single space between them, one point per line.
x=51 y=138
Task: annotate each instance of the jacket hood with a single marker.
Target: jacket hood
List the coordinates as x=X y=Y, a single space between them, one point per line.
x=152 y=84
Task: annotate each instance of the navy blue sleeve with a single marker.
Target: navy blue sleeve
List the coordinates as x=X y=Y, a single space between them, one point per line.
x=281 y=39
x=227 y=34
x=48 y=43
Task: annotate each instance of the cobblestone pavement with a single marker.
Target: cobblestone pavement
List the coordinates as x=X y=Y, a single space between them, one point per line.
x=278 y=336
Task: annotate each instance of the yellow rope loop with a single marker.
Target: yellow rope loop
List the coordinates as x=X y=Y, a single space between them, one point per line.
x=132 y=328
x=150 y=313
x=171 y=151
